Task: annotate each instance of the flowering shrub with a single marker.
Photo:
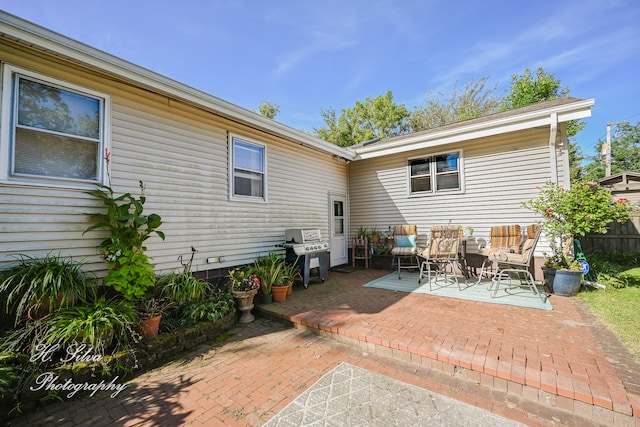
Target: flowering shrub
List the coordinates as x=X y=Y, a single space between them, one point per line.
x=585 y=208
x=241 y=280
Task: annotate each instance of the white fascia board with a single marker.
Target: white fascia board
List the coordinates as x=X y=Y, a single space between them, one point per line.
x=573 y=111
x=33 y=35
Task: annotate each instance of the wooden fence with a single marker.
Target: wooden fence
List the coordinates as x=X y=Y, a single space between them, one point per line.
x=620 y=238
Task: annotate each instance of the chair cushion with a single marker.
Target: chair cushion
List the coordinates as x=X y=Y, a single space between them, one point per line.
x=403 y=250
x=405 y=230
x=405 y=241
x=506 y=236
x=508 y=257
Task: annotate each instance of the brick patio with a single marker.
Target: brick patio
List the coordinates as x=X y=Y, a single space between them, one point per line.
x=537 y=367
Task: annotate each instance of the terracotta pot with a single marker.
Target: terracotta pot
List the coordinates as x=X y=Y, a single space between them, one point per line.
x=289 y=288
x=279 y=293
x=149 y=328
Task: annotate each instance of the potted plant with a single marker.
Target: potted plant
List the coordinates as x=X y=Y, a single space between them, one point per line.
x=270 y=271
x=585 y=208
x=290 y=273
x=244 y=285
x=375 y=236
x=150 y=314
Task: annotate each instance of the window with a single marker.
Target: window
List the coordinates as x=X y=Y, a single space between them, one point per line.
x=248 y=170
x=55 y=131
x=435 y=174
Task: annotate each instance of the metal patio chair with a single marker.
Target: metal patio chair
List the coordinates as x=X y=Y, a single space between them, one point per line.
x=502 y=238
x=517 y=266
x=405 y=247
x=441 y=252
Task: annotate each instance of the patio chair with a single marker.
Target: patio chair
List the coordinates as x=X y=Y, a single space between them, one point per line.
x=517 y=266
x=441 y=252
x=405 y=247
x=502 y=238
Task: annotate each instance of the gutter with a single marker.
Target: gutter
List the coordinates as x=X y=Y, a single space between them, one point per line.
x=561 y=113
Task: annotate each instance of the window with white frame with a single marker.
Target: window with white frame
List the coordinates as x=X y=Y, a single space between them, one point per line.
x=248 y=166
x=53 y=132
x=434 y=174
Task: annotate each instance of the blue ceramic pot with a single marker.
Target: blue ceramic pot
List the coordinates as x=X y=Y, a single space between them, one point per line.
x=567 y=283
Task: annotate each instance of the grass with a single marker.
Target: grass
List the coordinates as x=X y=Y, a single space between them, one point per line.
x=619 y=308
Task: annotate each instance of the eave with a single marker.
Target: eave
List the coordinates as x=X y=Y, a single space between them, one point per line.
x=477 y=129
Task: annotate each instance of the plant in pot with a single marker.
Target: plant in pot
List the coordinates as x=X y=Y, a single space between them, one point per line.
x=150 y=312
x=290 y=273
x=375 y=236
x=36 y=287
x=567 y=213
x=270 y=270
x=244 y=285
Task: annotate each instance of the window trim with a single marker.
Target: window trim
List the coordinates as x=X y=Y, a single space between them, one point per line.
x=433 y=174
x=7 y=132
x=232 y=138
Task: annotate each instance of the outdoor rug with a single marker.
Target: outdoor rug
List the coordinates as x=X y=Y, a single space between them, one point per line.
x=352 y=396
x=518 y=296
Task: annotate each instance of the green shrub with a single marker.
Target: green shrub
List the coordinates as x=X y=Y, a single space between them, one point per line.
x=182 y=288
x=37 y=286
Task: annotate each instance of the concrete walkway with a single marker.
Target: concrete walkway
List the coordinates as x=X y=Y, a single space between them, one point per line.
x=535 y=367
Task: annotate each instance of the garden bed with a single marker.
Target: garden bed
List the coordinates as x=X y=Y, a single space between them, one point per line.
x=144 y=356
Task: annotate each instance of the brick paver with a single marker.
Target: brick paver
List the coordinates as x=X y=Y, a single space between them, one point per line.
x=448 y=346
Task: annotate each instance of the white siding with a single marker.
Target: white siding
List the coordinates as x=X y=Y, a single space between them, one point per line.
x=180 y=153
x=498 y=173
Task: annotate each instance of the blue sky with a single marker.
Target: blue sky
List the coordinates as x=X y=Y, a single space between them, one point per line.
x=306 y=56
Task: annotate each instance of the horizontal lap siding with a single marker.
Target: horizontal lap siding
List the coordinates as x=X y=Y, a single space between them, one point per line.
x=499 y=173
x=180 y=153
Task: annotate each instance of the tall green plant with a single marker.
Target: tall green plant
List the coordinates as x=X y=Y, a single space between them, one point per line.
x=130 y=271
x=98 y=324
x=270 y=270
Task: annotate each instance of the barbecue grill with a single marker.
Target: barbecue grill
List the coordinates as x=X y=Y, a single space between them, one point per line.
x=306 y=248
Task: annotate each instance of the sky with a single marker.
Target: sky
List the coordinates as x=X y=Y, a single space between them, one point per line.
x=309 y=56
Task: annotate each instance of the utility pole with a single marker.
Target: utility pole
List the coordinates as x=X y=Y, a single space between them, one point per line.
x=607 y=148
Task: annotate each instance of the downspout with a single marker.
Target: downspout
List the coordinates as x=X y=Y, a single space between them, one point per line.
x=552 y=147
x=565 y=156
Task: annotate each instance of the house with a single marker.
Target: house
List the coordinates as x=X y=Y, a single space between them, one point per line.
x=226 y=180
x=474 y=173
x=623 y=184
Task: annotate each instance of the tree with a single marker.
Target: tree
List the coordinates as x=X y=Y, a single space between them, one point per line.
x=268 y=110
x=473 y=101
x=527 y=89
x=379 y=117
x=625 y=153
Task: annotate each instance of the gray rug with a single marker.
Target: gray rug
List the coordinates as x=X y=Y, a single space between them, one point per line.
x=518 y=296
x=351 y=396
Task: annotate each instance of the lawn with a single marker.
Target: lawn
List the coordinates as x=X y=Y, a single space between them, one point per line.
x=619 y=308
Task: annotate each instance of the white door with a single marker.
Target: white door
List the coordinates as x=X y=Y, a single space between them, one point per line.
x=337 y=230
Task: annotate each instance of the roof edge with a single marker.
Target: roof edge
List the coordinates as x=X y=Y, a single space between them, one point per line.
x=574 y=110
x=38 y=37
